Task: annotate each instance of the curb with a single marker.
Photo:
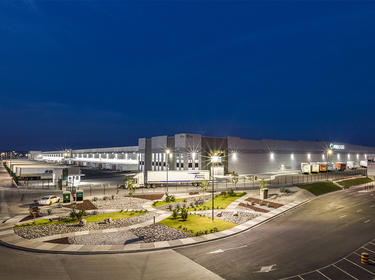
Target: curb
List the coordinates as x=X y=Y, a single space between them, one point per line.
x=9 y=239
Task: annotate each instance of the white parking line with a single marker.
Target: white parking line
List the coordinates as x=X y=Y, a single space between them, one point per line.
x=367 y=249
x=345 y=272
x=367 y=221
x=325 y=276
x=360 y=266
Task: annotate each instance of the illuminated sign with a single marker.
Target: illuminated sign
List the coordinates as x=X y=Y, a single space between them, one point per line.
x=336 y=146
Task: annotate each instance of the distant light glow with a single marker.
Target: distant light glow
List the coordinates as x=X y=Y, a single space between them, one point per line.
x=292 y=156
x=272 y=156
x=234 y=156
x=193 y=154
x=215 y=159
x=309 y=156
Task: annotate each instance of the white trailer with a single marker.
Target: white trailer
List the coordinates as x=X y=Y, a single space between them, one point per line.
x=363 y=163
x=157 y=178
x=305 y=168
x=315 y=167
x=352 y=165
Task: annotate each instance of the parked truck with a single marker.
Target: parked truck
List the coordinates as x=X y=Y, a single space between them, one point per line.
x=323 y=167
x=162 y=178
x=305 y=168
x=363 y=163
x=315 y=167
x=340 y=166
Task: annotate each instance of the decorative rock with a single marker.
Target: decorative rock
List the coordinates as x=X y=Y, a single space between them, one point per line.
x=108 y=220
x=82 y=223
x=235 y=214
x=219 y=214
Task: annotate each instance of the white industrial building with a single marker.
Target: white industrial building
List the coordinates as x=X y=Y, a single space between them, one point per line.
x=193 y=152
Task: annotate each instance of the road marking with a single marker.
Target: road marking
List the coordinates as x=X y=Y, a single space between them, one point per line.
x=367 y=221
x=325 y=276
x=345 y=272
x=343 y=216
x=367 y=249
x=359 y=266
x=267 y=268
x=222 y=251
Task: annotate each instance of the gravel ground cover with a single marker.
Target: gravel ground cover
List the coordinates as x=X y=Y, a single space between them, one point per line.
x=237 y=217
x=187 y=202
x=264 y=202
x=158 y=232
x=111 y=238
x=46 y=230
x=120 y=203
x=85 y=205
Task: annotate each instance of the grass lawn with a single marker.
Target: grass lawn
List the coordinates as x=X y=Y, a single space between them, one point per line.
x=221 y=201
x=354 y=182
x=114 y=216
x=90 y=219
x=320 y=187
x=197 y=225
x=163 y=202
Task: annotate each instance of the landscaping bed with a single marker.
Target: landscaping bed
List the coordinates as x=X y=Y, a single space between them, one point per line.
x=160 y=232
x=221 y=201
x=116 y=202
x=320 y=187
x=236 y=217
x=47 y=227
x=252 y=207
x=197 y=225
x=354 y=182
x=264 y=202
x=148 y=196
x=85 y=205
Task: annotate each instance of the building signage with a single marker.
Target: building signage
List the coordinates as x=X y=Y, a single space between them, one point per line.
x=336 y=146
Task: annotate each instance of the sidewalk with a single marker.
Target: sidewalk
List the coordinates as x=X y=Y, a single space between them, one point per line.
x=6 y=180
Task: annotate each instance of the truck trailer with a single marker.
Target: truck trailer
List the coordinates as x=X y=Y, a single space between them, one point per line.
x=305 y=168
x=172 y=177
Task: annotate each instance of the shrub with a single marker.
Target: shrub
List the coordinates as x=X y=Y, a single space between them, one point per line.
x=113 y=196
x=169 y=198
x=105 y=198
x=49 y=211
x=169 y=207
x=154 y=203
x=175 y=214
x=231 y=192
x=184 y=214
x=191 y=204
x=178 y=206
x=95 y=198
x=216 y=229
x=59 y=205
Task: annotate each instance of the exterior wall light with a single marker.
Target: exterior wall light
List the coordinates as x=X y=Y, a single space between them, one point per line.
x=308 y=156
x=272 y=156
x=292 y=156
x=234 y=156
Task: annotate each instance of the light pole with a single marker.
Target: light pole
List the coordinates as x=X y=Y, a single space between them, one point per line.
x=329 y=152
x=214 y=159
x=167 y=151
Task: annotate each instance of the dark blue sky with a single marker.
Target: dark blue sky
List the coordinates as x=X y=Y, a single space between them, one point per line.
x=104 y=73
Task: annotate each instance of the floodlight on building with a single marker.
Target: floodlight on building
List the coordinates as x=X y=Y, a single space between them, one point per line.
x=323 y=157
x=329 y=151
x=291 y=156
x=308 y=156
x=357 y=156
x=348 y=156
x=193 y=154
x=234 y=156
x=272 y=156
x=338 y=156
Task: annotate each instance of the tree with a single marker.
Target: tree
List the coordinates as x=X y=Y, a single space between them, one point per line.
x=203 y=187
x=234 y=176
x=131 y=186
x=263 y=184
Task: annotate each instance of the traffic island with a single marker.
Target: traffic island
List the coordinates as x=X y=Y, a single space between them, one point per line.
x=149 y=229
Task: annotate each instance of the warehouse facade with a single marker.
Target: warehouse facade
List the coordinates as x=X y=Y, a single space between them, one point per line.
x=194 y=152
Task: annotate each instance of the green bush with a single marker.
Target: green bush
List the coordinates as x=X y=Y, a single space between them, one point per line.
x=49 y=211
x=231 y=192
x=184 y=214
x=175 y=214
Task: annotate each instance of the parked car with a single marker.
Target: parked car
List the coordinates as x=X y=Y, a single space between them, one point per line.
x=48 y=200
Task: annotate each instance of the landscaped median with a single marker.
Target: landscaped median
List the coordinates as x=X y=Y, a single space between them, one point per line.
x=354 y=182
x=196 y=225
x=320 y=187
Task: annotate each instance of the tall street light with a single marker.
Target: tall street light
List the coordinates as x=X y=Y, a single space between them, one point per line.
x=329 y=152
x=167 y=151
x=214 y=159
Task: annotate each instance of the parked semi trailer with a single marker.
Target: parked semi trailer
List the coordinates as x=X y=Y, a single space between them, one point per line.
x=323 y=167
x=159 y=178
x=315 y=167
x=363 y=163
x=305 y=168
x=340 y=166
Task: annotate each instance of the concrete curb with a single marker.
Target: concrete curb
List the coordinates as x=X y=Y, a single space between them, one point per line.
x=9 y=239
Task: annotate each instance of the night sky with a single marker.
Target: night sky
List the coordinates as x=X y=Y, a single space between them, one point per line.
x=87 y=73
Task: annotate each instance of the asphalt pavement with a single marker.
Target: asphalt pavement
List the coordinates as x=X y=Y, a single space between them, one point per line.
x=312 y=236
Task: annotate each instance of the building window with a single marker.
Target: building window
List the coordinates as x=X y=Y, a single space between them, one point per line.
x=177 y=164
x=182 y=165
x=190 y=164
x=196 y=165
